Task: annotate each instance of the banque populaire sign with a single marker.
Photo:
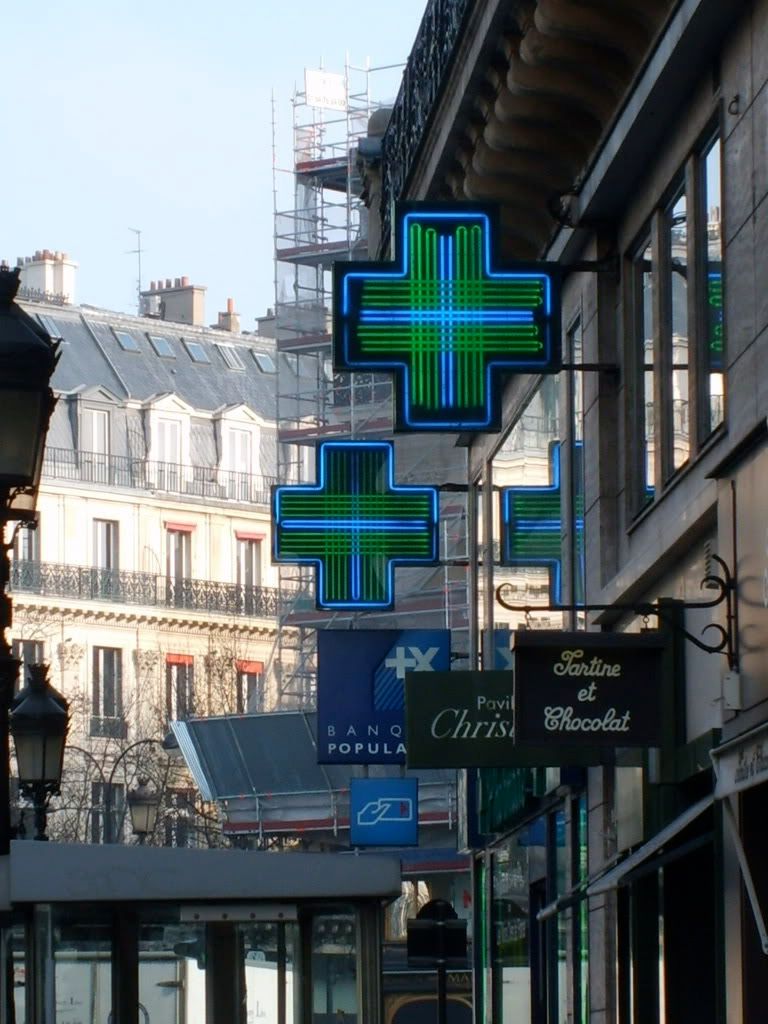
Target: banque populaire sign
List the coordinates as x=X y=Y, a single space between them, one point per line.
x=593 y=689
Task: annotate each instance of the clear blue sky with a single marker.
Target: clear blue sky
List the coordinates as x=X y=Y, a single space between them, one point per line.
x=158 y=115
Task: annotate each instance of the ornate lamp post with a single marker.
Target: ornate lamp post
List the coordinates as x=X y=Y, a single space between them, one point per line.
x=39 y=720
x=27 y=360
x=143 y=804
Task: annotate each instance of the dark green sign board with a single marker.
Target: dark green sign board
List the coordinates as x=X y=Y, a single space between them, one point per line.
x=465 y=720
x=588 y=689
x=572 y=700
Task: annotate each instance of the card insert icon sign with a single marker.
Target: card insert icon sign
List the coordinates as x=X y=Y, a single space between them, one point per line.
x=384 y=812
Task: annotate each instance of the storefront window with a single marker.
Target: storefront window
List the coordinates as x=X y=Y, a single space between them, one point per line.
x=511 y=955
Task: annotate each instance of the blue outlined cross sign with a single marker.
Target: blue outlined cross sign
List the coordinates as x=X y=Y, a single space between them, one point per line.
x=446 y=319
x=532 y=525
x=355 y=524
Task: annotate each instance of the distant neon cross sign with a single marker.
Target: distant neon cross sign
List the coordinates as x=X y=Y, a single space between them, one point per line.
x=532 y=525
x=445 y=319
x=355 y=524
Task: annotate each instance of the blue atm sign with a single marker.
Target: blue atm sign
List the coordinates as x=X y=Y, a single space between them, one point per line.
x=384 y=812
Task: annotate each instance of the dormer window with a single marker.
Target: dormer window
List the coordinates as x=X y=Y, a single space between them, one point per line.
x=197 y=352
x=126 y=341
x=264 y=361
x=231 y=357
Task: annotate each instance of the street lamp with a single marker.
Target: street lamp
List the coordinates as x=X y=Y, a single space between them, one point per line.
x=143 y=804
x=27 y=360
x=39 y=719
x=143 y=817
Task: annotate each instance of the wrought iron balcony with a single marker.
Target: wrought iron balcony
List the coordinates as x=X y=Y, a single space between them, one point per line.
x=422 y=82
x=148 y=475
x=86 y=583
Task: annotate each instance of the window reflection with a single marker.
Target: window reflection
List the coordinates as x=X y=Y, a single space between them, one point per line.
x=644 y=278
x=678 y=256
x=715 y=314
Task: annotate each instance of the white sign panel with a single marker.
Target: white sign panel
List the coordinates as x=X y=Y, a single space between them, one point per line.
x=741 y=764
x=325 y=89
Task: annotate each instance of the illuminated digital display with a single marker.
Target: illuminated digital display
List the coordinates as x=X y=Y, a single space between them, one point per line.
x=716 y=319
x=446 y=319
x=355 y=524
x=532 y=525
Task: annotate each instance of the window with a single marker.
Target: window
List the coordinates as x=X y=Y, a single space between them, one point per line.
x=28 y=652
x=250 y=686
x=26 y=570
x=239 y=450
x=107 y=693
x=264 y=361
x=126 y=341
x=678 y=439
x=167 y=451
x=196 y=351
x=249 y=574
x=179 y=686
x=162 y=346
x=50 y=325
x=105 y=543
x=99 y=431
x=715 y=310
x=26 y=544
x=107 y=812
x=178 y=563
x=105 y=573
x=678 y=329
x=231 y=357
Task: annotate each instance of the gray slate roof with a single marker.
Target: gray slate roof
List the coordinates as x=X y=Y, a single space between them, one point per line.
x=91 y=354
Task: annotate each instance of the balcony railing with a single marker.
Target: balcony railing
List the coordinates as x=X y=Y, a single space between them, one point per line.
x=149 y=475
x=86 y=583
x=423 y=80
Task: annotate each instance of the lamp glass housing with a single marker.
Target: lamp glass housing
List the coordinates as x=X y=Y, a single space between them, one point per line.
x=39 y=758
x=142 y=805
x=22 y=435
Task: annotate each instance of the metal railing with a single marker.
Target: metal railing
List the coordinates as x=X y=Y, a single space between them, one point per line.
x=86 y=583
x=149 y=475
x=422 y=83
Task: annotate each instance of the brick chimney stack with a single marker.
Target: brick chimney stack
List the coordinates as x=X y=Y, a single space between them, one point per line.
x=175 y=300
x=48 y=275
x=229 y=321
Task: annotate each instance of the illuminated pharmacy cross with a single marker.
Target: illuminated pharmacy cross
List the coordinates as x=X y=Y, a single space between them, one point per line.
x=532 y=526
x=355 y=524
x=445 y=321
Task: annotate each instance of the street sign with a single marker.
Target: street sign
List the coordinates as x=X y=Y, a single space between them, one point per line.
x=360 y=689
x=384 y=812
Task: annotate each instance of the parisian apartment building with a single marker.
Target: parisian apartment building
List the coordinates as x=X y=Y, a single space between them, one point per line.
x=146 y=585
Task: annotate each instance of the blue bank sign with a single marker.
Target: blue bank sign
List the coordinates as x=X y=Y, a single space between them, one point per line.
x=384 y=812
x=360 y=690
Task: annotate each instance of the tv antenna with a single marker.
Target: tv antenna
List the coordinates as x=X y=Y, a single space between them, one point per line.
x=137 y=252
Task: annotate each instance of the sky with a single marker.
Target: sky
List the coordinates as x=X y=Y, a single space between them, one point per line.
x=158 y=116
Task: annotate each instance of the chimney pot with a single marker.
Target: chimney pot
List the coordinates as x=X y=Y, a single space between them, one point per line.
x=38 y=254
x=185 y=282
x=230 y=305
x=168 y=282
x=177 y=282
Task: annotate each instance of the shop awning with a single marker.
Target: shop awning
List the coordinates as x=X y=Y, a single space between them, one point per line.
x=614 y=876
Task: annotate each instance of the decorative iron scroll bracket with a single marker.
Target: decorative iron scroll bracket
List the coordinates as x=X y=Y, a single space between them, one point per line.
x=725 y=584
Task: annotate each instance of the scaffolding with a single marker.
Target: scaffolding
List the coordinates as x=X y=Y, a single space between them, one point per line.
x=328 y=221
